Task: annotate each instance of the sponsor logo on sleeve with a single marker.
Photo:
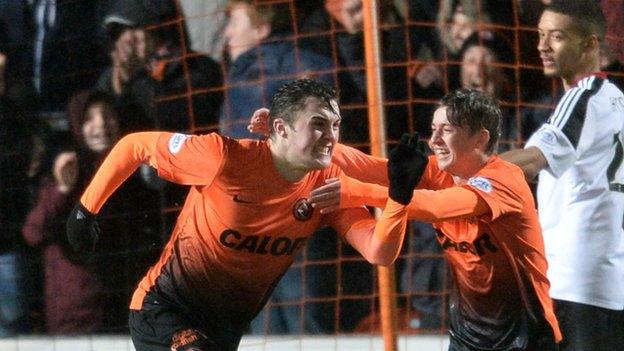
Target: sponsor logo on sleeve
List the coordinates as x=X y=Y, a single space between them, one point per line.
x=176 y=142
x=480 y=183
x=547 y=136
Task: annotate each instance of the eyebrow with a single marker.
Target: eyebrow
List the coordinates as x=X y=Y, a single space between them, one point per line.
x=553 y=30
x=325 y=117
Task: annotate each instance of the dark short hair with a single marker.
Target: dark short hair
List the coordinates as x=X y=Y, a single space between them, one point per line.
x=474 y=110
x=291 y=97
x=587 y=16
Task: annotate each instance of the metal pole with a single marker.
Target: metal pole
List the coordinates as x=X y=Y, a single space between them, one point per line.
x=377 y=134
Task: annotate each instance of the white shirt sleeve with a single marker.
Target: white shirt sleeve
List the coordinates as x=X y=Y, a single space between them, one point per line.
x=556 y=148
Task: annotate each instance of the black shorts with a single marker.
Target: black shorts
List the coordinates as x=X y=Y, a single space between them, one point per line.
x=589 y=328
x=159 y=326
x=532 y=336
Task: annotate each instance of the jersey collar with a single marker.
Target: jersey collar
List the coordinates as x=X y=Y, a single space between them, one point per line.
x=599 y=74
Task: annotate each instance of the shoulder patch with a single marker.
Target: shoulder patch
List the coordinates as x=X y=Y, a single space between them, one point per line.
x=176 y=142
x=480 y=183
x=547 y=136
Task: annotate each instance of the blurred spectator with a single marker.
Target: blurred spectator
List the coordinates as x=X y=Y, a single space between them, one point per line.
x=456 y=21
x=261 y=58
x=56 y=43
x=82 y=296
x=483 y=57
x=335 y=31
x=16 y=141
x=614 y=37
x=420 y=17
x=16 y=92
x=17 y=146
x=205 y=22
x=611 y=64
x=151 y=73
x=174 y=88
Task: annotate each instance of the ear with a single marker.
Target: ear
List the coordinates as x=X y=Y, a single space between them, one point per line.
x=484 y=139
x=591 y=43
x=279 y=127
x=263 y=31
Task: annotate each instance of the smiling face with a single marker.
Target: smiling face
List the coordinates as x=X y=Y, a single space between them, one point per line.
x=309 y=141
x=456 y=150
x=100 y=129
x=560 y=46
x=477 y=71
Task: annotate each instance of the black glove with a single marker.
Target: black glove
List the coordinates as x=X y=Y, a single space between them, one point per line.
x=406 y=165
x=82 y=229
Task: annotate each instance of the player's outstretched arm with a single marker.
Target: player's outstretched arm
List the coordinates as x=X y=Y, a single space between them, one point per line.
x=380 y=242
x=121 y=162
x=361 y=166
x=531 y=160
x=346 y=192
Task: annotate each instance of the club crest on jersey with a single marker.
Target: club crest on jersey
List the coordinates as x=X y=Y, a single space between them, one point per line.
x=176 y=142
x=302 y=210
x=480 y=183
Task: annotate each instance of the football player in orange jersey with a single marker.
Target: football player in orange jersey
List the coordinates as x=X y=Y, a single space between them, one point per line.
x=485 y=218
x=244 y=219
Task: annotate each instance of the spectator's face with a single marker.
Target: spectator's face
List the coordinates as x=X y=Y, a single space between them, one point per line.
x=312 y=136
x=461 y=28
x=453 y=147
x=348 y=13
x=132 y=47
x=477 y=71
x=560 y=47
x=100 y=128
x=240 y=33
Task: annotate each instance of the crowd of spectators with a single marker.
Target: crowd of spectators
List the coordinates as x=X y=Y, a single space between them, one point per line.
x=75 y=76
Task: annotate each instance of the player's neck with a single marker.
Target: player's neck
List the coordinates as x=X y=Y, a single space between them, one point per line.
x=285 y=167
x=590 y=68
x=462 y=174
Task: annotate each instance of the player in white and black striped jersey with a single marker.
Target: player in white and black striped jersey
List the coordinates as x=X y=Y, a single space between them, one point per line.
x=578 y=153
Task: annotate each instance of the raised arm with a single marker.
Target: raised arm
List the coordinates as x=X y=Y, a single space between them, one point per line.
x=380 y=243
x=361 y=166
x=121 y=162
x=425 y=205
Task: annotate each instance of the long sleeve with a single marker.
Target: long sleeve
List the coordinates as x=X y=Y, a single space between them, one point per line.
x=51 y=209
x=382 y=244
x=121 y=162
x=361 y=166
x=426 y=205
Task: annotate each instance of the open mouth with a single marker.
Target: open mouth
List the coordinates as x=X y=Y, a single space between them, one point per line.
x=547 y=62
x=323 y=150
x=441 y=153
